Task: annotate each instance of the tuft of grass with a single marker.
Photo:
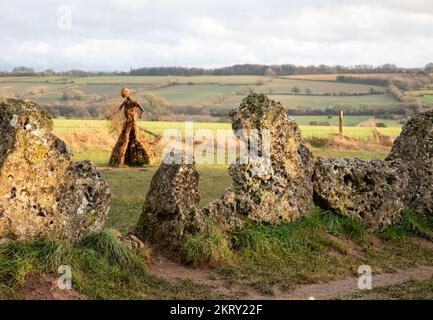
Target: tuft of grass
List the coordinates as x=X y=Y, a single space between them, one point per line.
x=107 y=246
x=206 y=248
x=311 y=231
x=411 y=225
x=344 y=226
x=19 y=258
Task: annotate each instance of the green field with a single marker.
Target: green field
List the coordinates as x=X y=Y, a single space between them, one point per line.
x=322 y=102
x=158 y=127
x=423 y=95
x=100 y=152
x=427 y=99
x=195 y=91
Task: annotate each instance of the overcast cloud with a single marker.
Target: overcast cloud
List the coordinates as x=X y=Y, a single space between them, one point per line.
x=123 y=34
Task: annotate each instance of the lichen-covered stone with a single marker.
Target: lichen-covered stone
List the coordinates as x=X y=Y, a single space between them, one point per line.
x=368 y=190
x=171 y=206
x=283 y=191
x=83 y=201
x=35 y=168
x=415 y=147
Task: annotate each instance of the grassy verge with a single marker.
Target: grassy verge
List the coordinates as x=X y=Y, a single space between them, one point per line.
x=102 y=268
x=321 y=247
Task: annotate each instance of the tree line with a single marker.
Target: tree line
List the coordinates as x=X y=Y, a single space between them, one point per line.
x=239 y=69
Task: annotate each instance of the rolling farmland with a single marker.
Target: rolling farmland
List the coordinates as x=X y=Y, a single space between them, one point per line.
x=195 y=91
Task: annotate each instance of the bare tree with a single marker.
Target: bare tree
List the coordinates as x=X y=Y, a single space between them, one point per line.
x=156 y=106
x=296 y=90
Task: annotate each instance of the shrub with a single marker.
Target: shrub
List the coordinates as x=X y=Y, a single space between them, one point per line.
x=74 y=94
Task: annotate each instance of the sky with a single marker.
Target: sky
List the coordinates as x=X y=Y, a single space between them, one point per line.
x=116 y=35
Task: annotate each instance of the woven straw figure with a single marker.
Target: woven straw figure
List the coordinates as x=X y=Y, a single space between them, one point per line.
x=131 y=148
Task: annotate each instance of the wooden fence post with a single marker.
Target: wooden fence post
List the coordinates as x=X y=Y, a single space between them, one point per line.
x=341 y=123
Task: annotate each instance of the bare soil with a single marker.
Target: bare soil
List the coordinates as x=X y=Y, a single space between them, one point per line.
x=44 y=287
x=172 y=271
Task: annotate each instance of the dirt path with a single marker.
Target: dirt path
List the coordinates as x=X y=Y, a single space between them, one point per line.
x=350 y=285
x=172 y=271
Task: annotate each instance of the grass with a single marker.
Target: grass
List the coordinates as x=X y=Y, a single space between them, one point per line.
x=99 y=153
x=427 y=99
x=102 y=268
x=99 y=158
x=322 y=102
x=409 y=290
x=320 y=247
x=284 y=85
x=158 y=127
x=333 y=77
x=379 y=153
x=197 y=94
x=106 y=246
x=129 y=188
x=349 y=121
x=411 y=224
x=291 y=254
x=207 y=248
x=423 y=95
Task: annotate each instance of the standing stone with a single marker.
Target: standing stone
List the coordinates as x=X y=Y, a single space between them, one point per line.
x=42 y=192
x=274 y=186
x=171 y=207
x=84 y=200
x=371 y=191
x=415 y=147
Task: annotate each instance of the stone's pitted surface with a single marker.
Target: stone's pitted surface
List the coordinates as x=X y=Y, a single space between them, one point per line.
x=281 y=193
x=415 y=147
x=170 y=210
x=35 y=167
x=84 y=200
x=132 y=242
x=369 y=190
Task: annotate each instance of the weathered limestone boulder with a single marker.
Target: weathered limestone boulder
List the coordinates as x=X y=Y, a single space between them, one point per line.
x=369 y=190
x=42 y=192
x=84 y=200
x=415 y=147
x=171 y=206
x=273 y=184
